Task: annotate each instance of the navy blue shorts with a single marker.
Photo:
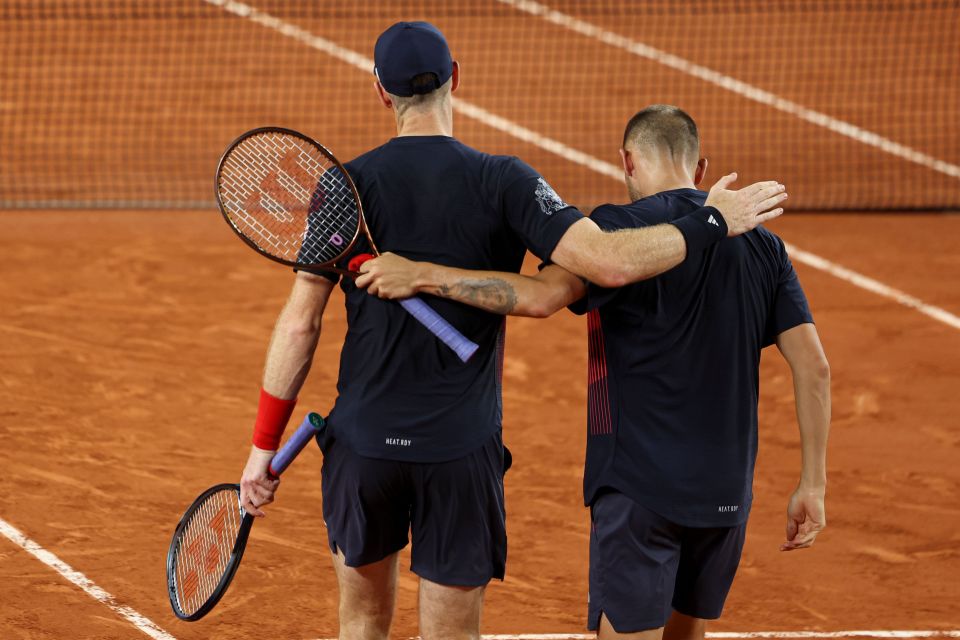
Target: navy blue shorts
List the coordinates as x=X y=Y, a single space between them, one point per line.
x=643 y=567
x=453 y=510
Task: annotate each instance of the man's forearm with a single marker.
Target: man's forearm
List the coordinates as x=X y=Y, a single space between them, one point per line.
x=288 y=359
x=617 y=258
x=628 y=256
x=812 y=392
x=503 y=293
x=295 y=337
x=644 y=253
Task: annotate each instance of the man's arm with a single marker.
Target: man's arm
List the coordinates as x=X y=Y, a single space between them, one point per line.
x=629 y=255
x=289 y=357
x=608 y=259
x=806 y=516
x=391 y=276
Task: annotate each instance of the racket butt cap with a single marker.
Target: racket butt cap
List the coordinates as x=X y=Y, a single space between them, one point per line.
x=357 y=260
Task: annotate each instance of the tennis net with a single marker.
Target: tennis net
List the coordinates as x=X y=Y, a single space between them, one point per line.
x=854 y=104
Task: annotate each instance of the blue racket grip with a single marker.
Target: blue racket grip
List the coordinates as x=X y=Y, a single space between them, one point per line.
x=304 y=433
x=435 y=324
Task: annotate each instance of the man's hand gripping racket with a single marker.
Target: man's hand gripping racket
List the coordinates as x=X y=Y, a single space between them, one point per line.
x=210 y=538
x=292 y=201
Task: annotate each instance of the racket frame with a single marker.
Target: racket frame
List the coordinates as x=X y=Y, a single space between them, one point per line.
x=312 y=267
x=312 y=425
x=236 y=554
x=426 y=315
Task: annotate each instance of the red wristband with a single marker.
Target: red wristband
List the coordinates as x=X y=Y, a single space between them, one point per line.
x=273 y=414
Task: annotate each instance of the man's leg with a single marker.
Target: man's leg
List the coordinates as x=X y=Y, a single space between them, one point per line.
x=684 y=627
x=366 y=509
x=459 y=539
x=634 y=555
x=709 y=558
x=367 y=597
x=606 y=632
x=449 y=613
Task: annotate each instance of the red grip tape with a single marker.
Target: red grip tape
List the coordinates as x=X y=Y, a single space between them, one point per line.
x=357 y=260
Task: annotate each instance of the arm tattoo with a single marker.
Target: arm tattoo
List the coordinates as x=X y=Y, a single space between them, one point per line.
x=491 y=294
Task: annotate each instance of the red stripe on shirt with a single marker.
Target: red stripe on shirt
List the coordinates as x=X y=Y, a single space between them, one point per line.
x=599 y=419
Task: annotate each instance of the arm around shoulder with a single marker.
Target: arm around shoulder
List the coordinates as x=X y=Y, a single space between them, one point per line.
x=617 y=258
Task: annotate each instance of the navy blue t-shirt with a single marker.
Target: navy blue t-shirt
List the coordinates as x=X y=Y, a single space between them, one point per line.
x=404 y=395
x=674 y=369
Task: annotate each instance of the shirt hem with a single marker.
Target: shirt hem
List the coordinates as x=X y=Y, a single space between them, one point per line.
x=669 y=514
x=377 y=453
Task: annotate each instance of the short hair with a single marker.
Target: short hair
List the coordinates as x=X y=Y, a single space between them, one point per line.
x=426 y=90
x=667 y=128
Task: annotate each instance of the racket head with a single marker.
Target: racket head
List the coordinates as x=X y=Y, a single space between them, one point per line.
x=289 y=198
x=206 y=550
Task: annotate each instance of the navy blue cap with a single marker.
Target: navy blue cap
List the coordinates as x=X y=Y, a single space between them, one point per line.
x=408 y=49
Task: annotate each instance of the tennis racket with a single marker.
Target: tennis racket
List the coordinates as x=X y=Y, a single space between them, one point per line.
x=209 y=540
x=292 y=201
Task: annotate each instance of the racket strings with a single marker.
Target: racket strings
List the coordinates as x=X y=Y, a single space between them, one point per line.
x=287 y=197
x=204 y=549
x=249 y=203
x=337 y=226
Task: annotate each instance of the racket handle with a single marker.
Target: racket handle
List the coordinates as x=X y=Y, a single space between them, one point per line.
x=304 y=433
x=435 y=324
x=433 y=321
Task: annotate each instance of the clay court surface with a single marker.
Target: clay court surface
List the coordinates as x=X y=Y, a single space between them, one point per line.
x=132 y=343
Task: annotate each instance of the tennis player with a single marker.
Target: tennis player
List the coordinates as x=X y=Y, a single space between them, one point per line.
x=413 y=444
x=673 y=387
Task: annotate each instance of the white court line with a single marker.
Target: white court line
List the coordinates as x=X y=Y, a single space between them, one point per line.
x=149 y=628
x=567 y=153
x=838 y=634
x=466 y=108
x=733 y=635
x=872 y=285
x=133 y=617
x=733 y=85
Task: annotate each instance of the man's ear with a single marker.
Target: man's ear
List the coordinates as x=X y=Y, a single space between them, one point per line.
x=700 y=172
x=383 y=95
x=455 y=77
x=627 y=161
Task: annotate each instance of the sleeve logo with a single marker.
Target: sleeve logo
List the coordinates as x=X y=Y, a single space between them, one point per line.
x=547 y=198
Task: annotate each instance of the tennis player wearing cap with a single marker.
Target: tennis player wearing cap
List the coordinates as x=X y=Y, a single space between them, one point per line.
x=672 y=398
x=414 y=446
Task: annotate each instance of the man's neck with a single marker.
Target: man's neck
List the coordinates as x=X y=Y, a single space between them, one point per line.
x=670 y=185
x=433 y=122
x=674 y=178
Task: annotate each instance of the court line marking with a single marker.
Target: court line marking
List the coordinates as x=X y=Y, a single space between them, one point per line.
x=568 y=153
x=734 y=635
x=135 y=618
x=874 y=286
x=145 y=625
x=838 y=634
x=743 y=89
x=466 y=108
